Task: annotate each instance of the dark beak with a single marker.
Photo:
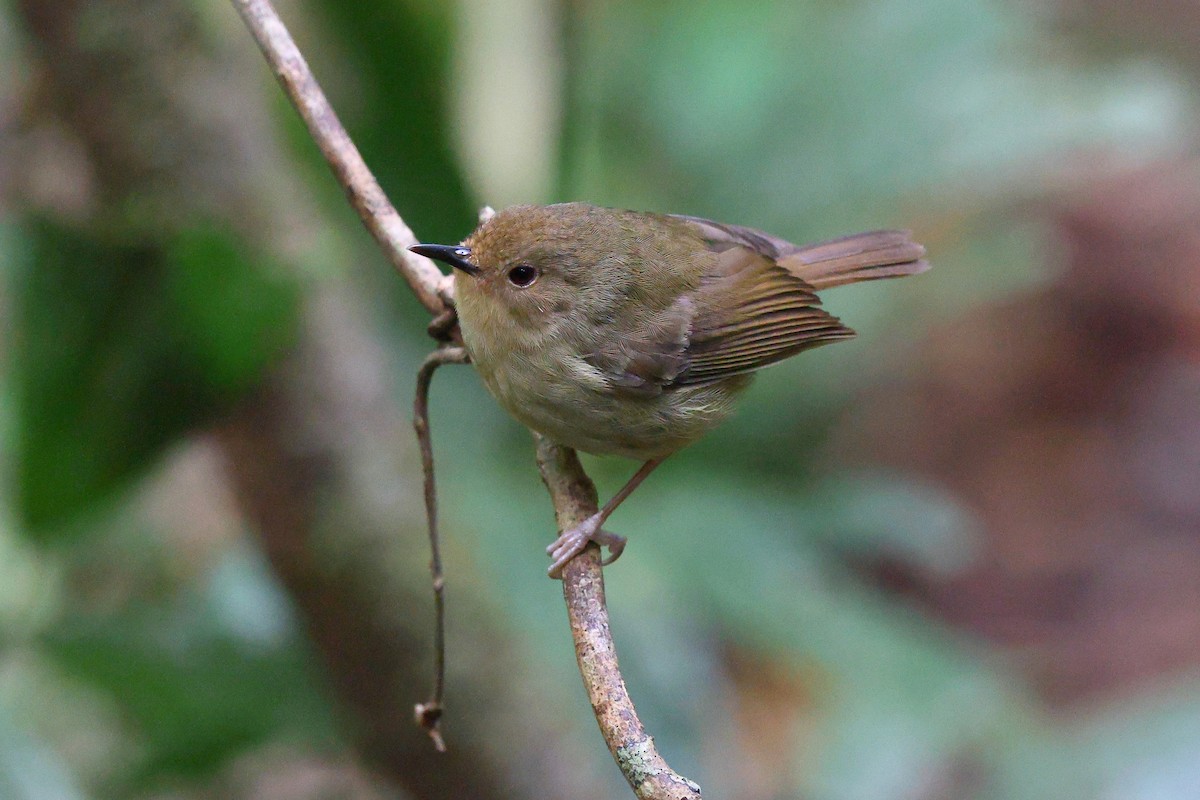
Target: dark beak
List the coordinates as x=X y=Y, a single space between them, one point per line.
x=452 y=254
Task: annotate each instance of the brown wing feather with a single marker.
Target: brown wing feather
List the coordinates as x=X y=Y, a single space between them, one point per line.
x=850 y=259
x=647 y=363
x=756 y=305
x=750 y=313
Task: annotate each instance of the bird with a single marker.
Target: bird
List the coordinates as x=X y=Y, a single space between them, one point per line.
x=632 y=333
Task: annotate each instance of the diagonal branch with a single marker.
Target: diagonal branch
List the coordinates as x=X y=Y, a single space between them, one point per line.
x=572 y=492
x=633 y=749
x=362 y=190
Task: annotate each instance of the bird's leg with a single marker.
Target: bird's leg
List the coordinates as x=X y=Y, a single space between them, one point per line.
x=571 y=543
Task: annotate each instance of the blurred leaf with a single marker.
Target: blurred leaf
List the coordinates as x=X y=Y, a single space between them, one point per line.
x=1142 y=747
x=197 y=694
x=245 y=602
x=399 y=53
x=233 y=315
x=873 y=516
x=123 y=346
x=98 y=385
x=29 y=771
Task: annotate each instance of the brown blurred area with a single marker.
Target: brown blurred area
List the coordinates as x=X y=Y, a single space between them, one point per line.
x=1068 y=419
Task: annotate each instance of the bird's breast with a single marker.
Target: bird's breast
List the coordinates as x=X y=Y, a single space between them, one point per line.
x=554 y=390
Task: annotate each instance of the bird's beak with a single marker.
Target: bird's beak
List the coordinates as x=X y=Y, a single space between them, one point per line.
x=452 y=254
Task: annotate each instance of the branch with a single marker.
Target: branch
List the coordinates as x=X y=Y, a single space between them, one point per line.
x=574 y=497
x=431 y=287
x=429 y=714
x=572 y=492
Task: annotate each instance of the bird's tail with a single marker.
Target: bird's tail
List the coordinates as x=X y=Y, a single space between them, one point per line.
x=861 y=257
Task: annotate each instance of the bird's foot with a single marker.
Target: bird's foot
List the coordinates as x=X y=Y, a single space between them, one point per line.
x=571 y=543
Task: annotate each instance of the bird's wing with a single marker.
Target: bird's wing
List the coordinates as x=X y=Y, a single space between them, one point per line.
x=651 y=358
x=746 y=313
x=750 y=313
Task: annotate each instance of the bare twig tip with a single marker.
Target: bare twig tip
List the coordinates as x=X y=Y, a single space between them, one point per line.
x=429 y=717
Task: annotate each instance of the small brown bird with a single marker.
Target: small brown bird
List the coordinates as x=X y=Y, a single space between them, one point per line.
x=633 y=333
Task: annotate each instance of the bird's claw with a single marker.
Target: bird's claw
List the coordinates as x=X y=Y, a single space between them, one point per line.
x=571 y=543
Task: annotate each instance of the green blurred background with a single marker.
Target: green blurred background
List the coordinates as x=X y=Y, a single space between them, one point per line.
x=956 y=557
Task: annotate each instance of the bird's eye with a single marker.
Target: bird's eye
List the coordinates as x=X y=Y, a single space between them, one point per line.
x=522 y=275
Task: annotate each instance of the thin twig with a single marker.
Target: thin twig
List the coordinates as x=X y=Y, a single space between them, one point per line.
x=431 y=287
x=573 y=493
x=429 y=714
